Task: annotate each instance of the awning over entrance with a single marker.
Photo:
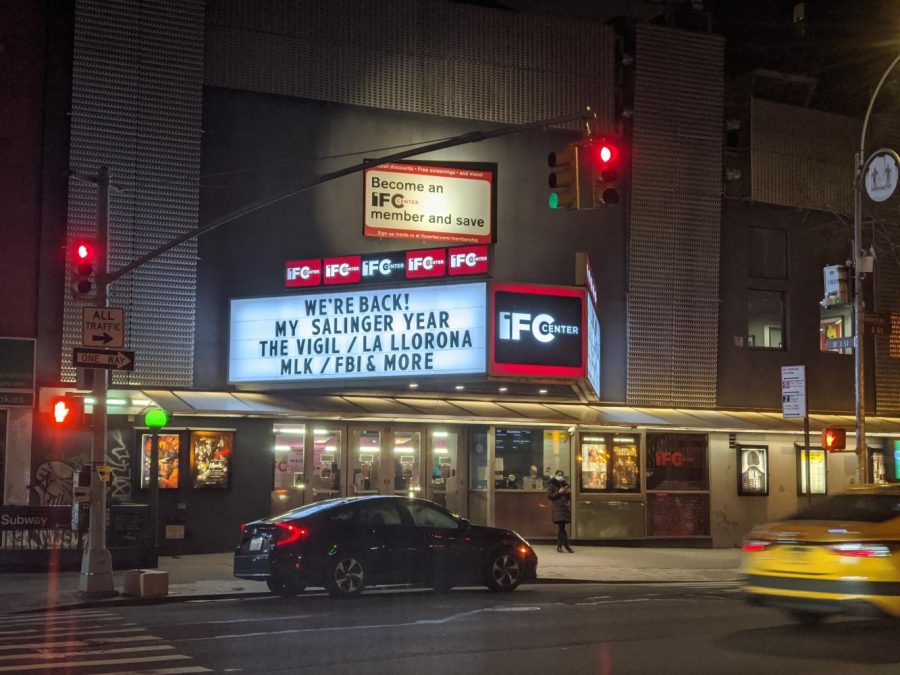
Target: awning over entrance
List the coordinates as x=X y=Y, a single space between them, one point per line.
x=472 y=411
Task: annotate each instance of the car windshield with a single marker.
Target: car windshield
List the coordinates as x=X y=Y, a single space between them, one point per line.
x=861 y=508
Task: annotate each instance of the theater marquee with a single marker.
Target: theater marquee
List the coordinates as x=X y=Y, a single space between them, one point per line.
x=398 y=332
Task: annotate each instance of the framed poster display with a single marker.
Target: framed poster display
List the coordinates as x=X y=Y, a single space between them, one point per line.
x=753 y=470
x=818 y=469
x=609 y=463
x=169 y=460
x=211 y=458
x=677 y=461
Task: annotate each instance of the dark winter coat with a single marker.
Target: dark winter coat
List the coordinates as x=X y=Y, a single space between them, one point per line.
x=561 y=502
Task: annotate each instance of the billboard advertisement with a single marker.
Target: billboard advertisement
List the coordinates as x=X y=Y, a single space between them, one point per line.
x=425 y=201
x=355 y=334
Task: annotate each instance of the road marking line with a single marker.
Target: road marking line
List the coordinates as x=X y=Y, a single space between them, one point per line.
x=110 y=630
x=94 y=652
x=96 y=662
x=419 y=622
x=165 y=671
x=58 y=618
x=127 y=638
x=44 y=645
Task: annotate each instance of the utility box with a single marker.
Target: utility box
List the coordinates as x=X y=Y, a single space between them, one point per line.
x=146 y=583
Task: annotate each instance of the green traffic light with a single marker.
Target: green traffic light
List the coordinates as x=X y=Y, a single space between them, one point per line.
x=553 y=201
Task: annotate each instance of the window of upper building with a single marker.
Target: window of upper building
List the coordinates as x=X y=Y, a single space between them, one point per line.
x=765 y=319
x=768 y=253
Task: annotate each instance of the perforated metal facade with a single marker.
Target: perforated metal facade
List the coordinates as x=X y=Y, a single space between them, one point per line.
x=136 y=107
x=412 y=55
x=673 y=272
x=802 y=158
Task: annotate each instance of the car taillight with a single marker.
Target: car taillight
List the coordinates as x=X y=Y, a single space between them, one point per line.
x=861 y=550
x=243 y=527
x=288 y=533
x=755 y=545
x=523 y=550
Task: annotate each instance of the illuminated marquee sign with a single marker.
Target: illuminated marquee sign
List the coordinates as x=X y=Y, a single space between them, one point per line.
x=380 y=268
x=452 y=202
x=420 y=331
x=537 y=331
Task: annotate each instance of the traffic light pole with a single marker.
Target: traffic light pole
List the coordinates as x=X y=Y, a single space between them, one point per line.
x=96 y=562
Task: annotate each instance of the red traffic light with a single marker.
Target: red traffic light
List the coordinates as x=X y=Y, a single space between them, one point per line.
x=604 y=153
x=834 y=439
x=66 y=411
x=82 y=267
x=84 y=251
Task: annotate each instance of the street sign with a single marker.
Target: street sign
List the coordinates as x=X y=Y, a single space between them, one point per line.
x=101 y=358
x=837 y=344
x=793 y=391
x=881 y=175
x=103 y=327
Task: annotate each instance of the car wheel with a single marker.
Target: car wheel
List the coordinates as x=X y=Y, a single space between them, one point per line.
x=346 y=576
x=286 y=589
x=807 y=618
x=504 y=572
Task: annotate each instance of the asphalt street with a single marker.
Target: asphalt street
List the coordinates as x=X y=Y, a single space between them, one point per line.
x=573 y=628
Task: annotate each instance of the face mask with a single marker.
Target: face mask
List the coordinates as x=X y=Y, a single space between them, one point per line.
x=560 y=477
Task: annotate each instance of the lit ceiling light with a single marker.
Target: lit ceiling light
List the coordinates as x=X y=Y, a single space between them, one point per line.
x=413 y=385
x=439 y=434
x=141 y=401
x=292 y=431
x=503 y=389
x=116 y=401
x=459 y=387
x=542 y=391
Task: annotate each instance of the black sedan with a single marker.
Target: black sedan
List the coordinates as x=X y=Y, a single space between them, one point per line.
x=347 y=545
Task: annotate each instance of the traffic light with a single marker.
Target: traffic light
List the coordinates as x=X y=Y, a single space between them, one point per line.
x=66 y=412
x=834 y=439
x=604 y=156
x=82 y=267
x=566 y=179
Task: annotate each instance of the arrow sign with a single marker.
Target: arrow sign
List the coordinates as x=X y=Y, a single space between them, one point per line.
x=101 y=358
x=103 y=327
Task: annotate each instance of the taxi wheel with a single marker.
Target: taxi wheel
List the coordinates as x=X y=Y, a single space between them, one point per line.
x=806 y=618
x=286 y=589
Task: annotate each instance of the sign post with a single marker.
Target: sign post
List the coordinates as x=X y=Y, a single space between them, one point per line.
x=793 y=406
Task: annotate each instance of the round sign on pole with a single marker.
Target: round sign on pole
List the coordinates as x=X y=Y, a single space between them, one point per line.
x=881 y=175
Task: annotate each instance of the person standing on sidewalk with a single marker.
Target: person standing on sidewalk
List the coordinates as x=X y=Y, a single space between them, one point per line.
x=560 y=494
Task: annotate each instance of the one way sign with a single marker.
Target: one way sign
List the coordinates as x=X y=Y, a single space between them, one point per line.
x=103 y=327
x=100 y=358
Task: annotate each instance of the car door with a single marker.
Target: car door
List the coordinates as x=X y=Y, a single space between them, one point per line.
x=385 y=540
x=438 y=542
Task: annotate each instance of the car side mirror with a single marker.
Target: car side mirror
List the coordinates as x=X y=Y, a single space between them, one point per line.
x=463 y=524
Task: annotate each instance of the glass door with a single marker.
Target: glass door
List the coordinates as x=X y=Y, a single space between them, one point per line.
x=445 y=485
x=385 y=461
x=325 y=479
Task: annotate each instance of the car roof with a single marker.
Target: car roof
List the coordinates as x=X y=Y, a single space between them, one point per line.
x=891 y=489
x=327 y=504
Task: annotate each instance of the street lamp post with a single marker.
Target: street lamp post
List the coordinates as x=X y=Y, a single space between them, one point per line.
x=859 y=163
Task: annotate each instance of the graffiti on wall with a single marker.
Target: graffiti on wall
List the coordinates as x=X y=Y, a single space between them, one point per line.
x=52 y=479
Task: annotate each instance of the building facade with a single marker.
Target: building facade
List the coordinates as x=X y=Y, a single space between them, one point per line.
x=228 y=116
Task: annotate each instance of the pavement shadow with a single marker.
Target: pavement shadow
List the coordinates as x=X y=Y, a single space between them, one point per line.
x=850 y=641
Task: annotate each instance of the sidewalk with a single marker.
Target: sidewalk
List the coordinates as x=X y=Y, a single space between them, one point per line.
x=209 y=576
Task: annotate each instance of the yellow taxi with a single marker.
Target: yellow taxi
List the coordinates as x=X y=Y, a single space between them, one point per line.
x=839 y=556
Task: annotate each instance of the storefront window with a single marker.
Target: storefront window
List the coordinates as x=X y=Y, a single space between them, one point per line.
x=609 y=463
x=288 y=466
x=444 y=458
x=527 y=458
x=478 y=459
x=817 y=468
x=677 y=462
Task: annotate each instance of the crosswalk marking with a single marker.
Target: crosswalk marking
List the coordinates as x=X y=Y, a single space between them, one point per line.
x=163 y=671
x=93 y=652
x=96 y=662
x=83 y=642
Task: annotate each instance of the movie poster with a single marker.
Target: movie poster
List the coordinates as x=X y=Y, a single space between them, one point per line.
x=169 y=457
x=211 y=458
x=753 y=468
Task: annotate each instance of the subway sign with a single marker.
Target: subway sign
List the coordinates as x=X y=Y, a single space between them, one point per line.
x=537 y=331
x=381 y=268
x=356 y=335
